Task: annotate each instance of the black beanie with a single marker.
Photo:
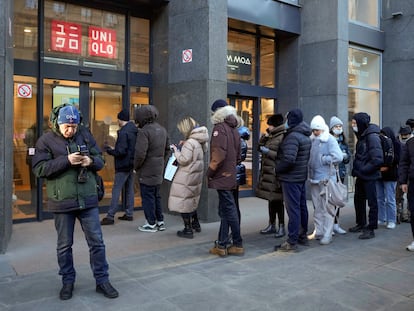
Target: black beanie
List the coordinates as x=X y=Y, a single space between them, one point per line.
x=294 y=117
x=275 y=120
x=219 y=103
x=123 y=115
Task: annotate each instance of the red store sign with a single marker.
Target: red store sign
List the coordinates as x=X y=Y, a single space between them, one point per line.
x=66 y=37
x=102 y=42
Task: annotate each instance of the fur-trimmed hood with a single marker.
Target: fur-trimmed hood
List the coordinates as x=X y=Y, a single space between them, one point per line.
x=226 y=114
x=324 y=136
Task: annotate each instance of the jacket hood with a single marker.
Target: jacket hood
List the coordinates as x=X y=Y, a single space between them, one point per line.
x=200 y=134
x=362 y=120
x=324 y=136
x=302 y=127
x=226 y=114
x=146 y=114
x=389 y=132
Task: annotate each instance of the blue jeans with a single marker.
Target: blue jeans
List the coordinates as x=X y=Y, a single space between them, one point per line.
x=151 y=203
x=294 y=195
x=387 y=206
x=65 y=225
x=366 y=190
x=227 y=211
x=122 y=179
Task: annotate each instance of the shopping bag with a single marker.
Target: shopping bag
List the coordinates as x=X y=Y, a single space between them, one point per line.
x=336 y=193
x=171 y=168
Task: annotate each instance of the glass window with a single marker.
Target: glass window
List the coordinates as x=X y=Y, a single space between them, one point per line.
x=241 y=58
x=140 y=42
x=267 y=62
x=83 y=37
x=364 y=11
x=25 y=29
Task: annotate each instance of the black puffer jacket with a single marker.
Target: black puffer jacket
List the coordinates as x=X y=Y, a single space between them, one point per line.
x=406 y=165
x=368 y=152
x=293 y=155
x=391 y=173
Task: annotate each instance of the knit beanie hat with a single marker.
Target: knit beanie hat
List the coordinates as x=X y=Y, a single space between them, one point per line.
x=123 y=115
x=405 y=130
x=318 y=123
x=275 y=120
x=294 y=117
x=335 y=121
x=219 y=103
x=68 y=115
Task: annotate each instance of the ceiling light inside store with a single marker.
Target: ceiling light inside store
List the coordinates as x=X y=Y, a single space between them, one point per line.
x=27 y=30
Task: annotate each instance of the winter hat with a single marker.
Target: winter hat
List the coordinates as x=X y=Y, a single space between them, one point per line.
x=219 y=103
x=405 y=130
x=275 y=120
x=68 y=115
x=123 y=115
x=294 y=117
x=244 y=132
x=335 y=121
x=318 y=123
x=410 y=122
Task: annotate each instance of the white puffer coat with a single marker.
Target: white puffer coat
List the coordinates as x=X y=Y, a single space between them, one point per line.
x=186 y=186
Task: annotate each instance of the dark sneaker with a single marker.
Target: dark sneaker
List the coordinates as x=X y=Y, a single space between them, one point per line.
x=107 y=290
x=286 y=247
x=161 y=226
x=216 y=250
x=269 y=229
x=235 y=250
x=367 y=234
x=126 y=217
x=356 y=228
x=303 y=241
x=107 y=221
x=66 y=291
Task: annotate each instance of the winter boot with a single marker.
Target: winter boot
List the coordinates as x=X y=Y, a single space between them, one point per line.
x=195 y=224
x=187 y=232
x=281 y=231
x=269 y=229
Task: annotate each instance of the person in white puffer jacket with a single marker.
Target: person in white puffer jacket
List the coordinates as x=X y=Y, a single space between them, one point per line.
x=325 y=153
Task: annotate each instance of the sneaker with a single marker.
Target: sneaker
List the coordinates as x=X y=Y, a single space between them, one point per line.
x=410 y=247
x=148 y=228
x=235 y=250
x=161 y=226
x=356 y=228
x=286 y=247
x=367 y=234
x=314 y=236
x=107 y=221
x=391 y=225
x=338 y=229
x=325 y=240
x=216 y=250
x=303 y=241
x=126 y=217
x=382 y=223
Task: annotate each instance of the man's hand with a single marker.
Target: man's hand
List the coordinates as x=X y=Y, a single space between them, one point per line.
x=404 y=188
x=77 y=159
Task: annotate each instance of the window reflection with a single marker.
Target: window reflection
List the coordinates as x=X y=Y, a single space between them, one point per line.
x=364 y=11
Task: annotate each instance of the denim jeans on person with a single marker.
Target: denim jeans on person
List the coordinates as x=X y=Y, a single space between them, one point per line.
x=227 y=211
x=387 y=206
x=122 y=179
x=151 y=203
x=366 y=190
x=294 y=195
x=65 y=225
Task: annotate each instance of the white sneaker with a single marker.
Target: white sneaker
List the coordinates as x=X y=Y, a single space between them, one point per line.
x=391 y=225
x=148 y=228
x=411 y=247
x=382 y=223
x=338 y=229
x=160 y=226
x=314 y=236
x=325 y=240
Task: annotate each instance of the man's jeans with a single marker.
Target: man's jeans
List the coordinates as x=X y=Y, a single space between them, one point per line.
x=366 y=190
x=294 y=195
x=65 y=224
x=229 y=218
x=387 y=206
x=122 y=179
x=151 y=203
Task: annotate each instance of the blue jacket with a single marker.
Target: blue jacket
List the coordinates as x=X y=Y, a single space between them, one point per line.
x=124 y=150
x=293 y=155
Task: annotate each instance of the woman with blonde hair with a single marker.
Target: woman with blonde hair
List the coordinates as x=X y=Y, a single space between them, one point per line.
x=186 y=186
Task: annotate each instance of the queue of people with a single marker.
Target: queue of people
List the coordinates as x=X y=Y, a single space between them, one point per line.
x=293 y=153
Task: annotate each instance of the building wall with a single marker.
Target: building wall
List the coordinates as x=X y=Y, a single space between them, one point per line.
x=6 y=121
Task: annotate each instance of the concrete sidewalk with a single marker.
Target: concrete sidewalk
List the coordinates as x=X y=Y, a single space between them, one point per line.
x=159 y=271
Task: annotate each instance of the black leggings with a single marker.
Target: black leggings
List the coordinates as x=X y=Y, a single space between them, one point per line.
x=276 y=207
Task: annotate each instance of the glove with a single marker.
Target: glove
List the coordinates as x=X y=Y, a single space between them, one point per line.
x=264 y=149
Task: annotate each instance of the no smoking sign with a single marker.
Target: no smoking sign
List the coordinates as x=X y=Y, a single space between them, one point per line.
x=24 y=90
x=187 y=56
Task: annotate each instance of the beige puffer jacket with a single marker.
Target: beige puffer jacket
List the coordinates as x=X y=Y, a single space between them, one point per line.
x=186 y=186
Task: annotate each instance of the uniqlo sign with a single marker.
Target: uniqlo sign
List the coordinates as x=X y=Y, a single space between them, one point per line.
x=66 y=37
x=102 y=42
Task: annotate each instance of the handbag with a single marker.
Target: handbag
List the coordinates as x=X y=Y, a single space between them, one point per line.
x=335 y=191
x=171 y=168
x=100 y=187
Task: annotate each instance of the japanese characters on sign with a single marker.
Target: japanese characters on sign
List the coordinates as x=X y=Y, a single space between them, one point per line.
x=67 y=38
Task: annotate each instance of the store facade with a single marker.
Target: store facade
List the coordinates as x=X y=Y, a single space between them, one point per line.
x=325 y=57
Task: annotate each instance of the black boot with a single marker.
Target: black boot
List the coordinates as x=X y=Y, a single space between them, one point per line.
x=269 y=229
x=187 y=232
x=281 y=231
x=195 y=224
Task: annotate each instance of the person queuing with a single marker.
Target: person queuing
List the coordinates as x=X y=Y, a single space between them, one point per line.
x=269 y=187
x=67 y=157
x=186 y=186
x=402 y=210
